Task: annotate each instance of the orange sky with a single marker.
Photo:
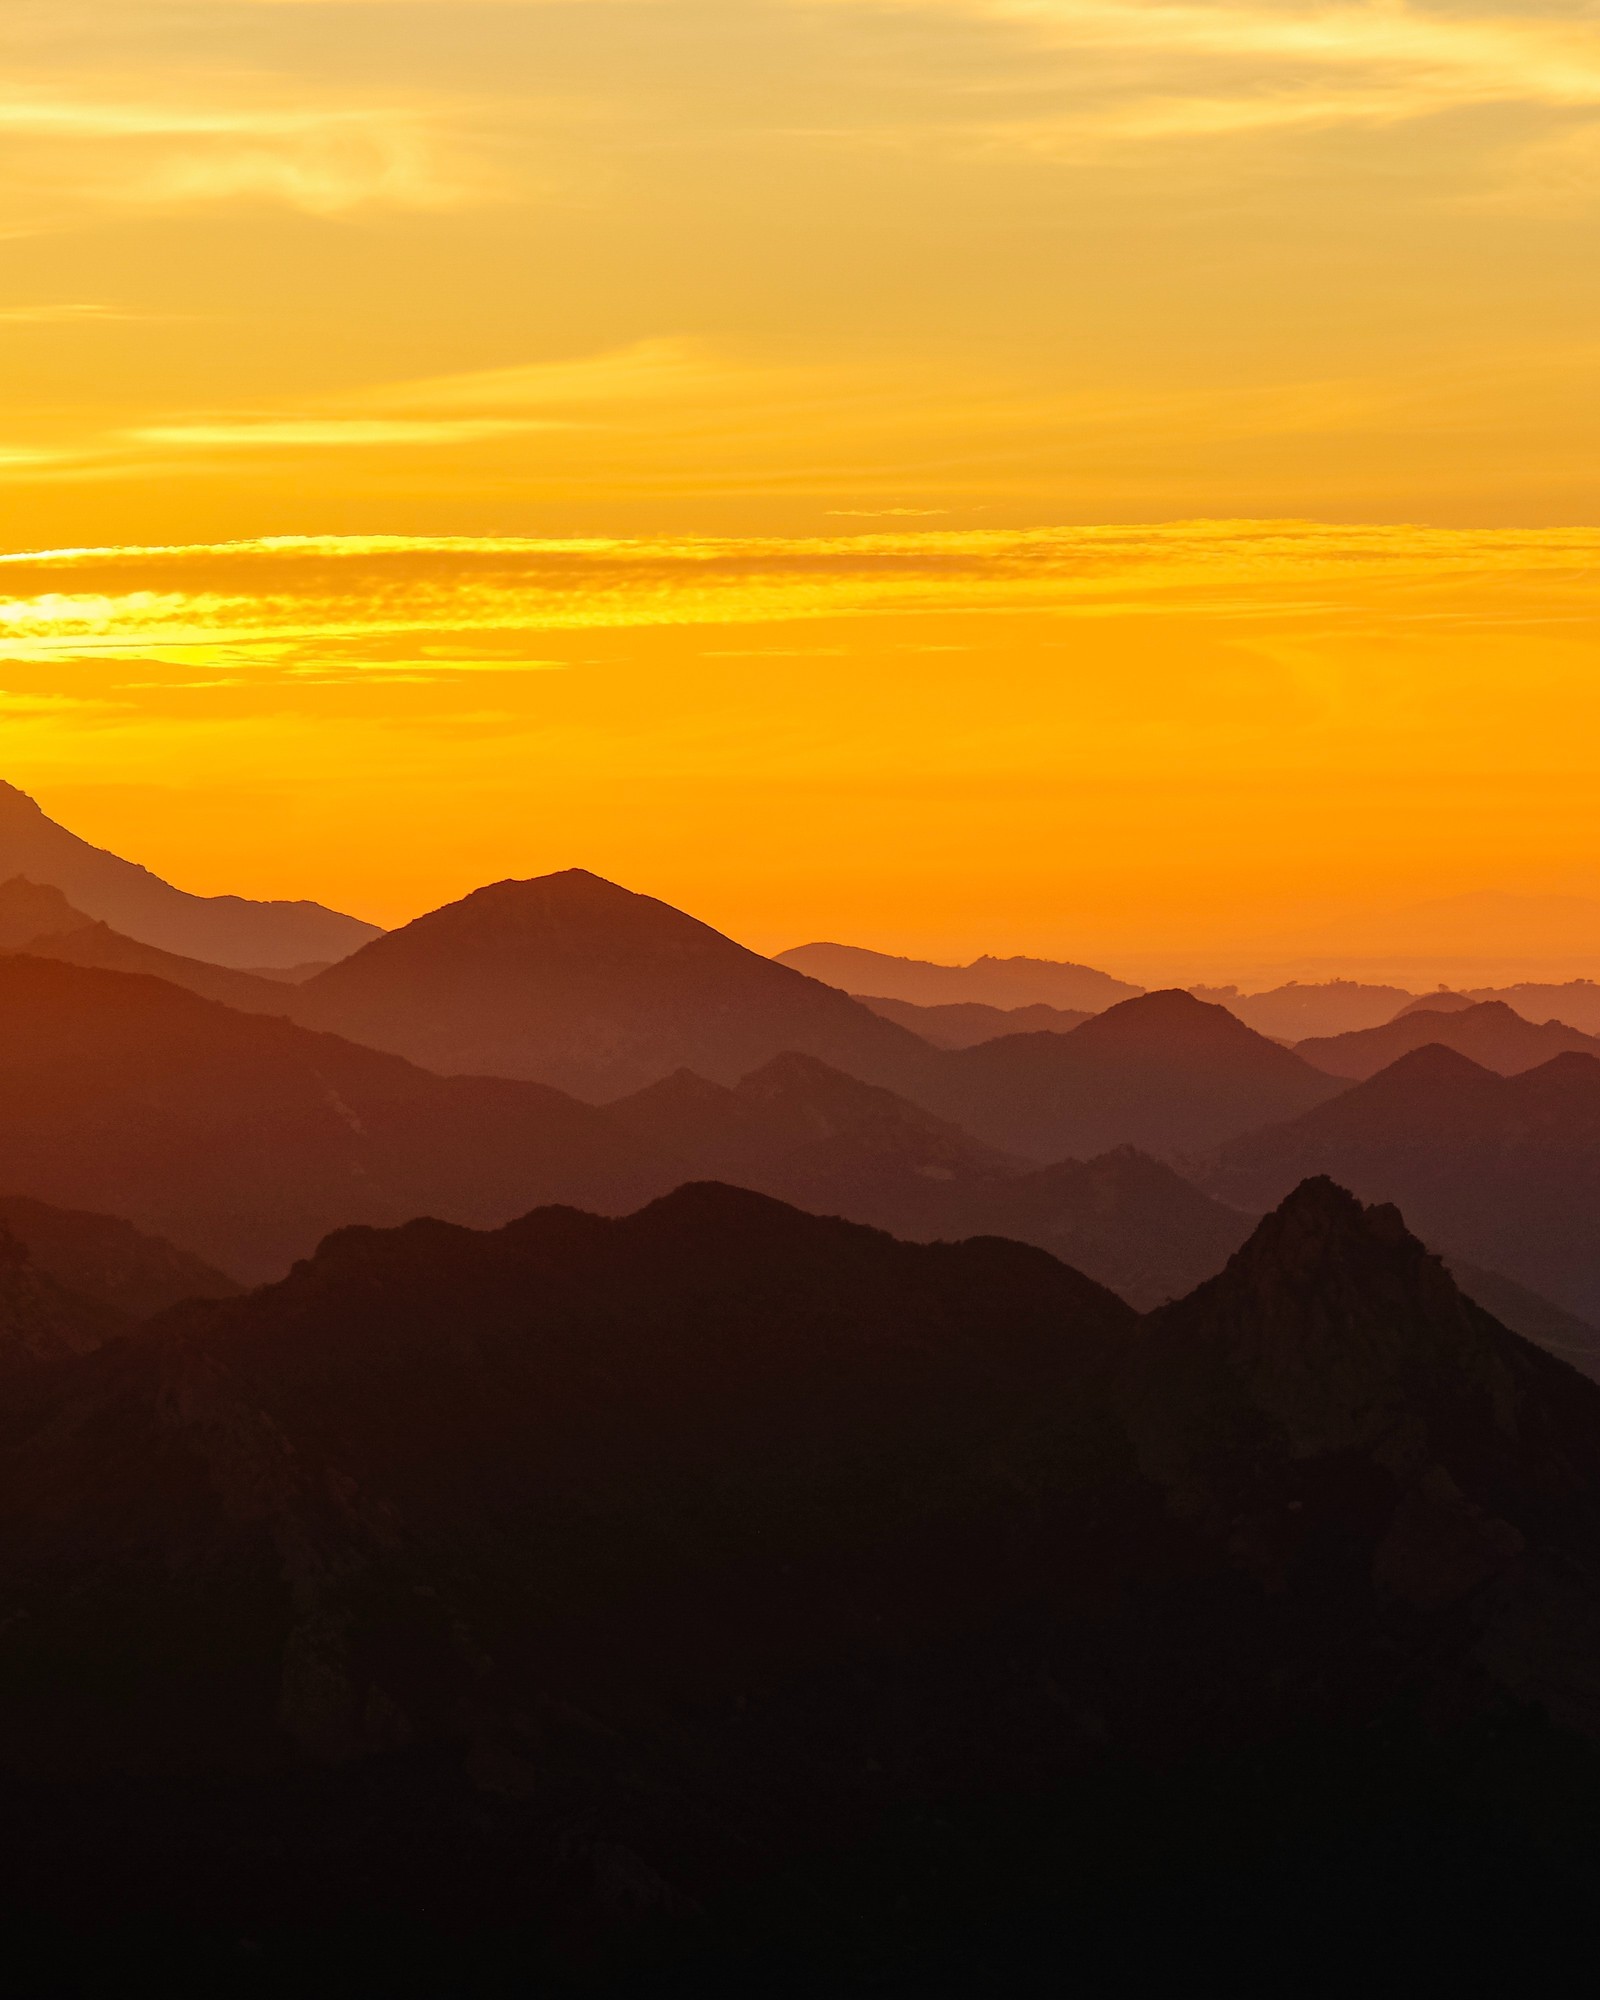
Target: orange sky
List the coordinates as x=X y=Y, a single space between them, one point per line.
x=1078 y=476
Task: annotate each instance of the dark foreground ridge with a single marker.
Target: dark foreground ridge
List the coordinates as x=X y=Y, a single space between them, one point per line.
x=730 y=1595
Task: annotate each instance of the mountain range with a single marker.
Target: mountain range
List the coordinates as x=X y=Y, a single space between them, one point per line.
x=246 y=1139
x=1492 y=1034
x=993 y=982
x=735 y=1597
x=225 y=930
x=962 y=1024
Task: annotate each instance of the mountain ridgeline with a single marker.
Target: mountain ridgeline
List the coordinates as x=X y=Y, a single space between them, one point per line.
x=737 y=1595
x=223 y=930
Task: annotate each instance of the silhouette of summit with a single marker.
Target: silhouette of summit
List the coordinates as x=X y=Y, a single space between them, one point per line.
x=1501 y=1171
x=570 y=980
x=597 y=1581
x=224 y=930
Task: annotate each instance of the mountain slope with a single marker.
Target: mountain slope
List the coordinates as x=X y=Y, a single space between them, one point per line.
x=223 y=930
x=1490 y=1034
x=764 y=1596
x=1502 y=1170
x=30 y=909
x=993 y=982
x=246 y=1139
x=98 y=945
x=106 y=1260
x=1165 y=1072
x=574 y=982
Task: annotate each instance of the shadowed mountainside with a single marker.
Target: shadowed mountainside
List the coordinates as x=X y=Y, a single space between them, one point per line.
x=107 y=1260
x=572 y=981
x=224 y=930
x=991 y=982
x=1489 y=1033
x=1502 y=1170
x=245 y=1139
x=735 y=1586
x=42 y=1320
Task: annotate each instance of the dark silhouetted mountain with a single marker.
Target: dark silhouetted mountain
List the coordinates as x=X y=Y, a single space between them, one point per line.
x=223 y=930
x=574 y=982
x=1489 y=1033
x=730 y=1591
x=245 y=1139
x=107 y=1260
x=1504 y=1171
x=1165 y=1073
x=1577 y=1002
x=1294 y=1012
x=964 y=1023
x=32 y=909
x=992 y=982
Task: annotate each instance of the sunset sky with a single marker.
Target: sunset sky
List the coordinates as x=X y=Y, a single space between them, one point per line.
x=1117 y=481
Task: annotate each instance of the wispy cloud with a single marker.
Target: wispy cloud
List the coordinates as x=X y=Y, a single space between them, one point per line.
x=1153 y=69
x=229 y=140
x=467 y=598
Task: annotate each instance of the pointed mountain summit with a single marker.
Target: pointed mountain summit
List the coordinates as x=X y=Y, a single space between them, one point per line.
x=1489 y=1033
x=224 y=930
x=570 y=980
x=1164 y=1072
x=1503 y=1171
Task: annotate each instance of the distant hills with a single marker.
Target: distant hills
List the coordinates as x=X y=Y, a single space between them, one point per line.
x=992 y=982
x=1164 y=1072
x=1488 y=1031
x=1295 y=1012
x=226 y=930
x=962 y=1024
x=731 y=1593
x=572 y=981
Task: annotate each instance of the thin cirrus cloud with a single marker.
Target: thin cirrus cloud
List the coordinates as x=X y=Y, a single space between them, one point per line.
x=1167 y=69
x=476 y=590
x=129 y=150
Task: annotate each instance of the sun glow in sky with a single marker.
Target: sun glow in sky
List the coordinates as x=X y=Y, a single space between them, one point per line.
x=1081 y=476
